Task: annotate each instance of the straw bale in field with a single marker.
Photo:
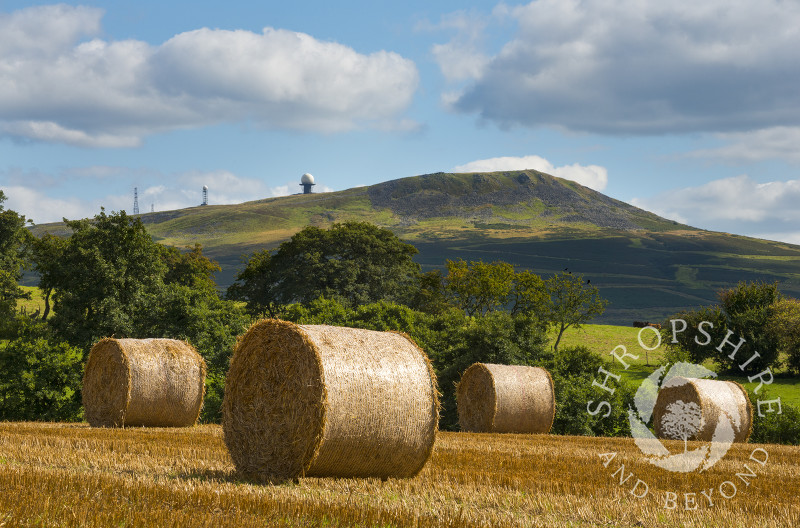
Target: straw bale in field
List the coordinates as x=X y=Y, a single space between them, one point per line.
x=505 y=399
x=143 y=382
x=713 y=399
x=316 y=400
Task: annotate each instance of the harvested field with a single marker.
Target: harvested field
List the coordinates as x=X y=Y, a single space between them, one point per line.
x=73 y=475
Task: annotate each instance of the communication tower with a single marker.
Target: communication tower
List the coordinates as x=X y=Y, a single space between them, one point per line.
x=135 y=200
x=307 y=182
x=205 y=195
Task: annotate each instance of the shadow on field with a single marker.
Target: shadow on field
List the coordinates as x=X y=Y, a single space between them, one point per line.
x=234 y=477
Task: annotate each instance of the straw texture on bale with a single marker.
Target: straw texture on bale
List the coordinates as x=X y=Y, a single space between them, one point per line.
x=505 y=399
x=714 y=398
x=316 y=400
x=143 y=382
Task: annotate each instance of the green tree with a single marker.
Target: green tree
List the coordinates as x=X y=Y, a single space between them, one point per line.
x=530 y=296
x=47 y=259
x=479 y=288
x=14 y=239
x=748 y=308
x=572 y=302
x=256 y=285
x=108 y=270
x=354 y=261
x=200 y=317
x=784 y=326
x=457 y=341
x=705 y=329
x=189 y=268
x=40 y=375
x=430 y=296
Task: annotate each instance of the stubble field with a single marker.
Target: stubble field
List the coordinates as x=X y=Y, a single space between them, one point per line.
x=73 y=475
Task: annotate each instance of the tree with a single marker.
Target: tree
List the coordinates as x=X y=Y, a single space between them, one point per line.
x=14 y=239
x=479 y=288
x=47 y=257
x=200 y=317
x=784 y=325
x=529 y=295
x=572 y=302
x=748 y=308
x=103 y=278
x=40 y=375
x=190 y=268
x=430 y=295
x=693 y=341
x=353 y=261
x=681 y=421
x=256 y=284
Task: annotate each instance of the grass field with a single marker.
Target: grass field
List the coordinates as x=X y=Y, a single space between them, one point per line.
x=603 y=339
x=72 y=475
x=36 y=302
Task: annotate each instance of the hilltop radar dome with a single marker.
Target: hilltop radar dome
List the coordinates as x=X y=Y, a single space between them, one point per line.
x=307 y=181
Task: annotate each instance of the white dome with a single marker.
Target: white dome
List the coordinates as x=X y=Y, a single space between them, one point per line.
x=307 y=179
x=205 y=187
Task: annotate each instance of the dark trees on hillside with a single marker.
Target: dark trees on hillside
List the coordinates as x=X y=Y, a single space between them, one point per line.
x=356 y=262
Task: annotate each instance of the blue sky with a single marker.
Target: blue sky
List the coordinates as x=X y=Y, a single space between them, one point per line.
x=687 y=109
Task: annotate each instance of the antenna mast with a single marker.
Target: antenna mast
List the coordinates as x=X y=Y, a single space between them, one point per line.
x=135 y=200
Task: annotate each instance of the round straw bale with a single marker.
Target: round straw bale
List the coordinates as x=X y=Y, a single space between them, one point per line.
x=713 y=398
x=317 y=400
x=505 y=399
x=143 y=382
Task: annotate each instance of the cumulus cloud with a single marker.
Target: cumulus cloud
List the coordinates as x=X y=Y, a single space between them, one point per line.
x=60 y=82
x=769 y=143
x=592 y=176
x=162 y=192
x=633 y=67
x=737 y=205
x=460 y=58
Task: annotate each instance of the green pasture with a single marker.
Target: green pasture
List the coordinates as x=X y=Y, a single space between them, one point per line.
x=605 y=339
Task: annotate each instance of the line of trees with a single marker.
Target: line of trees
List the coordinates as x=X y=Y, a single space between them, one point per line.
x=754 y=319
x=109 y=278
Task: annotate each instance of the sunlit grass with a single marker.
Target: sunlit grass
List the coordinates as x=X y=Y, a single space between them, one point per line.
x=604 y=339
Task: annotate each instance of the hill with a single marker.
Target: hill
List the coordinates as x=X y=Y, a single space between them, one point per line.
x=647 y=266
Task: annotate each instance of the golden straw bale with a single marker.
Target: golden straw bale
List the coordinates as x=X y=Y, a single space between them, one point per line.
x=316 y=400
x=714 y=398
x=143 y=382
x=505 y=399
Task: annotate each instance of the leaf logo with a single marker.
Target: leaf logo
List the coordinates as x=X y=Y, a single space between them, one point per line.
x=681 y=420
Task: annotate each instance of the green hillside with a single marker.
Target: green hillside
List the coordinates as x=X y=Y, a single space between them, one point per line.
x=647 y=266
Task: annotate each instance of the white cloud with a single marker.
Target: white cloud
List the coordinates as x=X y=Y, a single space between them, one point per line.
x=736 y=205
x=634 y=67
x=55 y=85
x=461 y=58
x=592 y=176
x=36 y=206
x=768 y=143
